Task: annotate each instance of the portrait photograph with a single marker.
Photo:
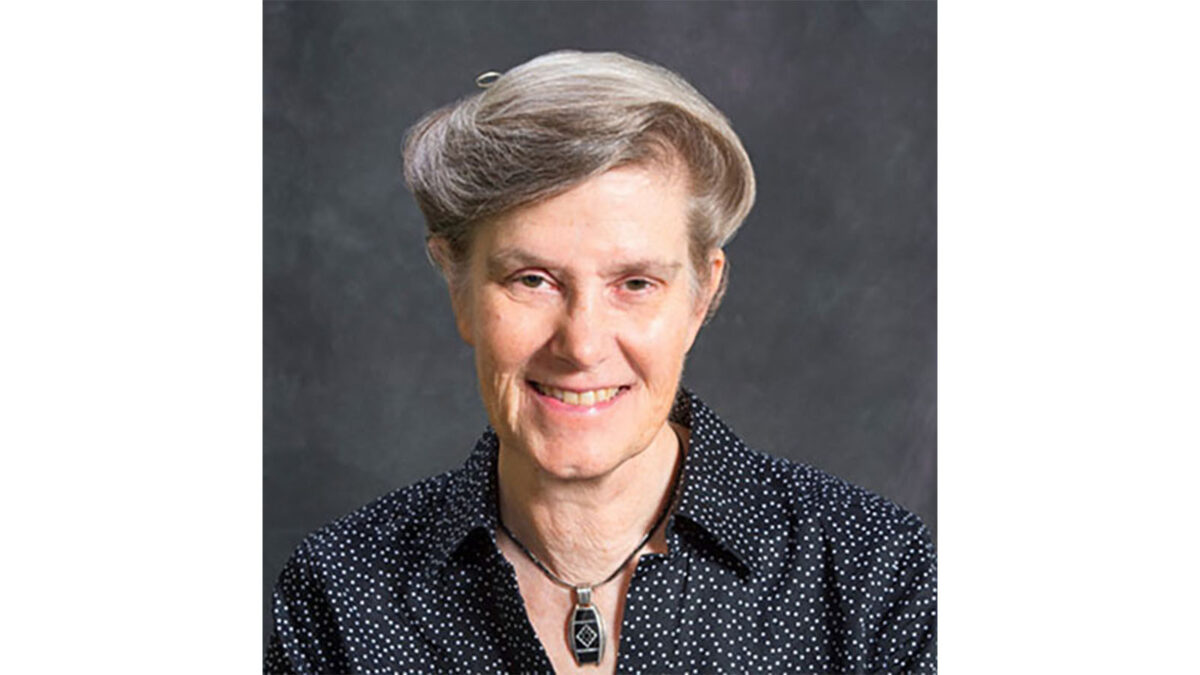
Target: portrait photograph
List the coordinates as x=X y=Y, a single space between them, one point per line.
x=599 y=335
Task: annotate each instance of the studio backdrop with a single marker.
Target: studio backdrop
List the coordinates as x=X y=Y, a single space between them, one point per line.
x=824 y=350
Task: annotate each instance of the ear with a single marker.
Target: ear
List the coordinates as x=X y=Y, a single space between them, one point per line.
x=461 y=320
x=716 y=277
x=708 y=294
x=439 y=252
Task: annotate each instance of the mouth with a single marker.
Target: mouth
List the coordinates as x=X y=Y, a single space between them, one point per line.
x=581 y=399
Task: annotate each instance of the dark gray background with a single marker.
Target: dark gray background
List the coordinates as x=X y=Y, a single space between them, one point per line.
x=824 y=350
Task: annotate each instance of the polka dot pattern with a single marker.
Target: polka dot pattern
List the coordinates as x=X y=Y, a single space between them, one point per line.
x=773 y=566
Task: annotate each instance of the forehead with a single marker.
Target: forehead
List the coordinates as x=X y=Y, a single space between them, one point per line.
x=627 y=212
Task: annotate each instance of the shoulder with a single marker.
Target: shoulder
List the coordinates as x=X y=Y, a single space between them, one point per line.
x=834 y=502
x=761 y=502
x=348 y=574
x=732 y=471
x=813 y=508
x=875 y=556
x=397 y=527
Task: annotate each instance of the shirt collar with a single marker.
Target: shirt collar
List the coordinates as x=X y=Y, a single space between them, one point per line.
x=714 y=495
x=471 y=501
x=717 y=494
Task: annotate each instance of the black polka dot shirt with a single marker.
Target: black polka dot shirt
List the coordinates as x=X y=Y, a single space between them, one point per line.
x=772 y=567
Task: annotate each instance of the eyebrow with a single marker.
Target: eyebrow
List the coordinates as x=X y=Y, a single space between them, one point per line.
x=504 y=260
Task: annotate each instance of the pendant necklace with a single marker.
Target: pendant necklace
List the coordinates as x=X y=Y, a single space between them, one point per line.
x=586 y=627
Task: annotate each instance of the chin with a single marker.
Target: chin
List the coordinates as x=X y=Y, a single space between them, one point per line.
x=567 y=460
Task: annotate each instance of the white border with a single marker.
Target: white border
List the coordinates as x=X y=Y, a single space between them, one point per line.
x=1068 y=331
x=131 y=276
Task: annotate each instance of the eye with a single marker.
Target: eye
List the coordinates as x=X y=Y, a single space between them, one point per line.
x=531 y=280
x=638 y=285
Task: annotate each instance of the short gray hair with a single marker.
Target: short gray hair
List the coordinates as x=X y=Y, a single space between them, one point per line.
x=560 y=119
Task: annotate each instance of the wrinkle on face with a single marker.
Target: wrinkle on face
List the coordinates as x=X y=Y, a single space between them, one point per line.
x=578 y=325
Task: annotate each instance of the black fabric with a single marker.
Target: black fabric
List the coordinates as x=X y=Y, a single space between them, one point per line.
x=772 y=566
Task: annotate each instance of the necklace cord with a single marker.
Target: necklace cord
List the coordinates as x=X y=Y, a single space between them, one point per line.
x=662 y=516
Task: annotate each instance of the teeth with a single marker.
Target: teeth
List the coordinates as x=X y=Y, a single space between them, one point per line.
x=586 y=398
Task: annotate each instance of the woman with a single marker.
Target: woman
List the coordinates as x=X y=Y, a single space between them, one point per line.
x=607 y=519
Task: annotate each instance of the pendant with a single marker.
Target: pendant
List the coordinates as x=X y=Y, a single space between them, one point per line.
x=586 y=629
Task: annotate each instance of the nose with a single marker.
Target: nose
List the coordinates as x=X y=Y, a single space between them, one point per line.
x=583 y=336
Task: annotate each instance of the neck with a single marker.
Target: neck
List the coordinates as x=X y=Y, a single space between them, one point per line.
x=582 y=529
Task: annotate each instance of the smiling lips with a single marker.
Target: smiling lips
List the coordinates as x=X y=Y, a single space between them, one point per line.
x=582 y=399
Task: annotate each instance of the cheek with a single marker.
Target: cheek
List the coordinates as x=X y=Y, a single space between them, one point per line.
x=505 y=340
x=658 y=346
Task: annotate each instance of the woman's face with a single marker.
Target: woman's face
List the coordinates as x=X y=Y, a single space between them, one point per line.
x=581 y=310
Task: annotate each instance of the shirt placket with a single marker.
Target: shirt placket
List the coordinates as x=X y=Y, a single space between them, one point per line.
x=653 y=607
